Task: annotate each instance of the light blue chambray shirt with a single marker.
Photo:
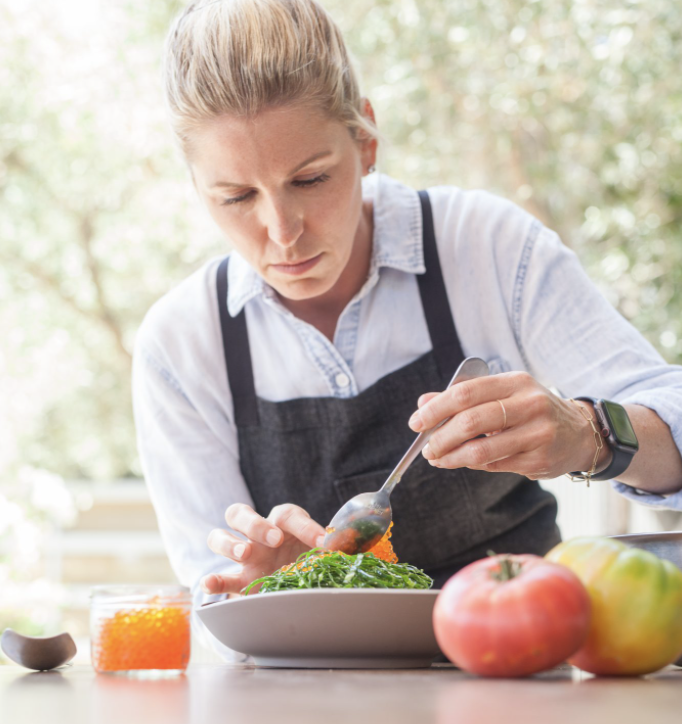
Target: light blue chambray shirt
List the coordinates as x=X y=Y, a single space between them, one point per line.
x=519 y=298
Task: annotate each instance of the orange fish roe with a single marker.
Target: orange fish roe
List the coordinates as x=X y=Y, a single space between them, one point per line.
x=150 y=637
x=384 y=549
x=302 y=565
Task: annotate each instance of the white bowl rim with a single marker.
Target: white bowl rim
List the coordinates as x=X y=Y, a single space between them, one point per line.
x=324 y=592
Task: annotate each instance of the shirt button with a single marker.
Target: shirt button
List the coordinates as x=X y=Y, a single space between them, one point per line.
x=342 y=380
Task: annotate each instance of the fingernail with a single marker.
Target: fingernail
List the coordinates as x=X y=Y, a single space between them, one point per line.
x=273 y=537
x=239 y=550
x=203 y=585
x=320 y=541
x=416 y=422
x=428 y=453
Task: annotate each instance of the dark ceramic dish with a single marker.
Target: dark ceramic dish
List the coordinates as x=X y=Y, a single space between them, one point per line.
x=38 y=652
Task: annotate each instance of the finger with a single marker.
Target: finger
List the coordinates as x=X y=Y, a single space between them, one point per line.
x=483 y=451
x=244 y=519
x=222 y=583
x=462 y=396
x=297 y=521
x=469 y=424
x=423 y=399
x=224 y=544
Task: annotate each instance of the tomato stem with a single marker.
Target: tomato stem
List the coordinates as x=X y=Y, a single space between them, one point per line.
x=508 y=568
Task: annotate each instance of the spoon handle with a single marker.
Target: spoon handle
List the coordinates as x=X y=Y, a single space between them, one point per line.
x=471 y=368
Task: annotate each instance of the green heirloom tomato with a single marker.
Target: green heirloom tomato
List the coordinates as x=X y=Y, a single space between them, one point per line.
x=636 y=598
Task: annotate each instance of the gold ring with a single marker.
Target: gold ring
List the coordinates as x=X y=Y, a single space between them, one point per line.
x=504 y=412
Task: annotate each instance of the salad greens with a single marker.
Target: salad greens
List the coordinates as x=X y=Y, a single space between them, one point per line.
x=319 y=568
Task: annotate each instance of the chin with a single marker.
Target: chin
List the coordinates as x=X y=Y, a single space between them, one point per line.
x=299 y=290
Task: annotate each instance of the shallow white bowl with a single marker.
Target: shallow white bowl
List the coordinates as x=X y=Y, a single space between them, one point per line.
x=328 y=628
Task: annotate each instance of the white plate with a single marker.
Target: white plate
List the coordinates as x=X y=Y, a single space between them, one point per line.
x=328 y=628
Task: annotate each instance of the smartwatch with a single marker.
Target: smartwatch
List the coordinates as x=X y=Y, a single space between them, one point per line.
x=618 y=432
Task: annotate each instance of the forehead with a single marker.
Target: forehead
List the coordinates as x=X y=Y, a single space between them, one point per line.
x=275 y=140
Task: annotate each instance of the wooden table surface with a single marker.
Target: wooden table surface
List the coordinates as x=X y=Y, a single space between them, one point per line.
x=212 y=694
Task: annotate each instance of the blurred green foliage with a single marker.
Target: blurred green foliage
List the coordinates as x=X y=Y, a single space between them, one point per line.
x=573 y=109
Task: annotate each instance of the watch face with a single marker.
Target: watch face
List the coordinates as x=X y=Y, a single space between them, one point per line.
x=620 y=424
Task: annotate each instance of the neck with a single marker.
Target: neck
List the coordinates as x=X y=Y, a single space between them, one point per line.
x=323 y=312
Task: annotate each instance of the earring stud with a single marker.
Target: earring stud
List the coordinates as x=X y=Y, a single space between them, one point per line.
x=372 y=169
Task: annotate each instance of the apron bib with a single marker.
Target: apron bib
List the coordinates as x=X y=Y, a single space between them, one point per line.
x=319 y=452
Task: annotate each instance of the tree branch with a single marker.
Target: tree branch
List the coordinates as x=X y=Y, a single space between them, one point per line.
x=49 y=282
x=86 y=230
x=85 y=225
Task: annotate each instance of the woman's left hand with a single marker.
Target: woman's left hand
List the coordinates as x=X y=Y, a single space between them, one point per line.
x=544 y=435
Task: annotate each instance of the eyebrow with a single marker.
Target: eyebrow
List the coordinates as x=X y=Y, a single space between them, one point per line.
x=230 y=184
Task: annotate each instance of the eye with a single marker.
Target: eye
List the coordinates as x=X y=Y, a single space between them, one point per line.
x=236 y=199
x=307 y=183
x=313 y=181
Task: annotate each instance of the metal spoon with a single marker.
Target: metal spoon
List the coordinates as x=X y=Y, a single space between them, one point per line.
x=38 y=652
x=364 y=519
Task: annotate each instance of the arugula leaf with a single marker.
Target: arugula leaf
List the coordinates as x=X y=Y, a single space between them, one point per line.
x=319 y=568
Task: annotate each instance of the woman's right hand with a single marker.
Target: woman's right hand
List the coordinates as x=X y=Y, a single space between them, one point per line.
x=271 y=543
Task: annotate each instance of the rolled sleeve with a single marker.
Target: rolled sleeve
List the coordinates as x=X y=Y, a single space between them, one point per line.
x=666 y=402
x=572 y=339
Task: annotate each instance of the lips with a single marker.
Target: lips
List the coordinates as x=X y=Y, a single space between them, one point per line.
x=298 y=267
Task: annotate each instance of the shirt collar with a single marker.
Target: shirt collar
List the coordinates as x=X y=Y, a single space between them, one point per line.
x=397 y=241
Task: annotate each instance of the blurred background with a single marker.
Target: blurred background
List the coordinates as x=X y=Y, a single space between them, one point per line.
x=571 y=108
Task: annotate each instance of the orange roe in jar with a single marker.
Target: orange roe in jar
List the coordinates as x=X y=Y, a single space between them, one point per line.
x=147 y=636
x=384 y=549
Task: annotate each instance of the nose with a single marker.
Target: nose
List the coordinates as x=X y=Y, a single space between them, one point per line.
x=284 y=223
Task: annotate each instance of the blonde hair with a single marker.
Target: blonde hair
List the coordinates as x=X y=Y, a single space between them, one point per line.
x=242 y=56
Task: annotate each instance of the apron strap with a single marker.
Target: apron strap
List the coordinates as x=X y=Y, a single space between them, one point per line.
x=444 y=340
x=237 y=355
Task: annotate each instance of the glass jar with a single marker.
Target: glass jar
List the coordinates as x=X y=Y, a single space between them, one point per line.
x=137 y=629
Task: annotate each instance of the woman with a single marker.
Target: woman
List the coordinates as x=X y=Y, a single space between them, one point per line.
x=273 y=385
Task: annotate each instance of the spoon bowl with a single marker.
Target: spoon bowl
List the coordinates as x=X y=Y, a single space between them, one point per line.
x=40 y=653
x=363 y=521
x=360 y=524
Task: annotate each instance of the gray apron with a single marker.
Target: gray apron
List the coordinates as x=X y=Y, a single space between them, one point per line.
x=319 y=452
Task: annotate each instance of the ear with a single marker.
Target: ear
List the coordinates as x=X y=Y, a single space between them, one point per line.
x=368 y=110
x=368 y=144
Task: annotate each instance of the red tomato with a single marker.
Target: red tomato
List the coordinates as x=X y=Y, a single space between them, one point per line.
x=513 y=618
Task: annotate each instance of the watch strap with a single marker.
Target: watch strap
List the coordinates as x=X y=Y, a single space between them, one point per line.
x=621 y=458
x=619 y=464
